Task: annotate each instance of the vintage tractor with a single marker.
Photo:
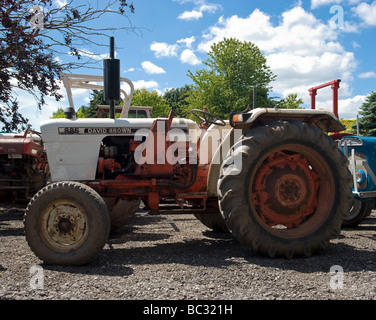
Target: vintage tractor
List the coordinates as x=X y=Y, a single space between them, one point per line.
x=23 y=161
x=271 y=177
x=361 y=152
x=22 y=166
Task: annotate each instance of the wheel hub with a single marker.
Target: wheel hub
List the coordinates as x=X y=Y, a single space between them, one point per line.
x=66 y=224
x=284 y=191
x=290 y=190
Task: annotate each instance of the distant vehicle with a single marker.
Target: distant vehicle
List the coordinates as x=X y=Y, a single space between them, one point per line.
x=134 y=112
x=361 y=152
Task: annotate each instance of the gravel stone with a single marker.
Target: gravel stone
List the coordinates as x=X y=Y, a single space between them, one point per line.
x=175 y=257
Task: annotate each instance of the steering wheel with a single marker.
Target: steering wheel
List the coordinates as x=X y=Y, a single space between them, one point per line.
x=208 y=118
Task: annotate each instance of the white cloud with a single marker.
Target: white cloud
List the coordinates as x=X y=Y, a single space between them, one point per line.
x=162 y=49
x=190 y=15
x=60 y=3
x=187 y=41
x=188 y=56
x=197 y=13
x=210 y=7
x=301 y=50
x=95 y=56
x=367 y=75
x=145 y=84
x=151 y=68
x=366 y=12
x=347 y=108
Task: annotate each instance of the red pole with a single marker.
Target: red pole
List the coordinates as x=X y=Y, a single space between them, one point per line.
x=335 y=87
x=313 y=93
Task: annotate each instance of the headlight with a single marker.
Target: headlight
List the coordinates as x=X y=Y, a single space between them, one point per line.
x=238 y=118
x=360 y=176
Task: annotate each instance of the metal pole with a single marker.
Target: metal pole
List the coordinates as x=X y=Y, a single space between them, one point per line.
x=335 y=87
x=112 y=48
x=357 y=125
x=112 y=56
x=254 y=97
x=313 y=93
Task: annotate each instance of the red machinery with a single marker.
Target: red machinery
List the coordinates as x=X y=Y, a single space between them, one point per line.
x=335 y=86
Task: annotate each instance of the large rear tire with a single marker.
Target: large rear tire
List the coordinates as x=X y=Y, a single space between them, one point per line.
x=66 y=223
x=213 y=220
x=121 y=211
x=291 y=192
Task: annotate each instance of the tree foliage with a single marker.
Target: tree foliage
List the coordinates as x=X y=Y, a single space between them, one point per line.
x=177 y=99
x=367 y=119
x=33 y=34
x=91 y=111
x=141 y=97
x=145 y=98
x=290 y=102
x=233 y=69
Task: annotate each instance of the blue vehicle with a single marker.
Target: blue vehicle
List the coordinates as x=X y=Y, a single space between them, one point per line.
x=361 y=152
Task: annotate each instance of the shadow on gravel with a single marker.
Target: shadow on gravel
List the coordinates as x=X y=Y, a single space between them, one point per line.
x=8 y=216
x=8 y=212
x=222 y=253
x=129 y=246
x=221 y=250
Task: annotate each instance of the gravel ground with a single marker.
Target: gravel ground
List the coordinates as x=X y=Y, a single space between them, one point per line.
x=176 y=257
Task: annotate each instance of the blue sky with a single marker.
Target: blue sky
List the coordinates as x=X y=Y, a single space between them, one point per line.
x=306 y=43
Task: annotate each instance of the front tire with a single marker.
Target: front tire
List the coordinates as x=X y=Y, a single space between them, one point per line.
x=66 y=223
x=290 y=194
x=358 y=212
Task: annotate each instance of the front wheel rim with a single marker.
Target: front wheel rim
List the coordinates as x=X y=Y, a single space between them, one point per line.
x=64 y=226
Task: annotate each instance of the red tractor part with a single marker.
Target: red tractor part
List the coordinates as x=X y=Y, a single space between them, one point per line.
x=335 y=86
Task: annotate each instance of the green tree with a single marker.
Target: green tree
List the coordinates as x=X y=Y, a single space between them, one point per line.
x=367 y=119
x=290 y=102
x=97 y=99
x=233 y=69
x=59 y=113
x=177 y=99
x=143 y=97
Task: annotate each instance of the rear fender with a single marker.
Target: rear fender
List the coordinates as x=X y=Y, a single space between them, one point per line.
x=323 y=119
